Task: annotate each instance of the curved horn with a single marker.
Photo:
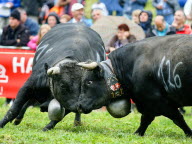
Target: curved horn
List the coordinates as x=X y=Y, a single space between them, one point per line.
x=53 y=71
x=91 y=65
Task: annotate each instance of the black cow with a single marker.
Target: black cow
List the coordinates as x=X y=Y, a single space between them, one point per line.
x=62 y=47
x=156 y=73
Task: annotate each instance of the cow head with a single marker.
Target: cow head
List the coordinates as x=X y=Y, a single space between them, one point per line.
x=65 y=83
x=98 y=86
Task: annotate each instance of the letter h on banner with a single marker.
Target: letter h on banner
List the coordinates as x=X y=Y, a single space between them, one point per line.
x=17 y=64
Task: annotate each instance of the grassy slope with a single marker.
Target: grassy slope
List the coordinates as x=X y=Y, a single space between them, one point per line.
x=98 y=127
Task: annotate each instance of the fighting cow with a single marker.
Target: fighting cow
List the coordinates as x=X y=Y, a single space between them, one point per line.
x=62 y=47
x=156 y=73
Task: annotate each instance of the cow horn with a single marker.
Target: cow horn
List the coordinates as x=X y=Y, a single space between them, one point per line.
x=53 y=71
x=91 y=65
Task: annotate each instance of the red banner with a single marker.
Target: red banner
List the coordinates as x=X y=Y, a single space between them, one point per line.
x=15 y=68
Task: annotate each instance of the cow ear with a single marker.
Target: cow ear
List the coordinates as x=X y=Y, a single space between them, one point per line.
x=100 y=71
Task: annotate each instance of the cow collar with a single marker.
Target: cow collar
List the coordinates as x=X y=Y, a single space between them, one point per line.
x=113 y=85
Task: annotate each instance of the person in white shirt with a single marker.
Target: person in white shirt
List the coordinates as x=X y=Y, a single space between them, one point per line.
x=188 y=11
x=77 y=10
x=100 y=5
x=96 y=14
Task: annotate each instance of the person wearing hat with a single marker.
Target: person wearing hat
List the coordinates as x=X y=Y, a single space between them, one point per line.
x=15 y=34
x=77 y=11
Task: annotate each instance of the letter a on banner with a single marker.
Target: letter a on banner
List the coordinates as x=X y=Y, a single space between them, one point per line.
x=29 y=65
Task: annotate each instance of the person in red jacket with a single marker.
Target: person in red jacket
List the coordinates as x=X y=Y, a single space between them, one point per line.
x=179 y=23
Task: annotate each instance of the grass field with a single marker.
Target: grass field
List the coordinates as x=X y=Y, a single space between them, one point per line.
x=97 y=127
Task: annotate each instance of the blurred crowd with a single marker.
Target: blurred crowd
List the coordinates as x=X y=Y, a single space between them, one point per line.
x=25 y=22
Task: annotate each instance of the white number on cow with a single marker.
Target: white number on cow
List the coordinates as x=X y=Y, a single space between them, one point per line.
x=177 y=80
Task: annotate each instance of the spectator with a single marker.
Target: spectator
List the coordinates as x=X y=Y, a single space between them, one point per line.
x=101 y=6
x=166 y=8
x=32 y=8
x=65 y=18
x=145 y=19
x=188 y=11
x=33 y=43
x=44 y=12
x=96 y=14
x=6 y=6
x=52 y=19
x=131 y=5
x=77 y=10
x=32 y=25
x=182 y=3
x=59 y=7
x=122 y=38
x=135 y=16
x=15 y=34
x=113 y=6
x=179 y=23
x=69 y=6
x=161 y=27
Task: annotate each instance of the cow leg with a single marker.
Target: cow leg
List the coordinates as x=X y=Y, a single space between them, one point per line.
x=77 y=121
x=44 y=106
x=22 y=97
x=178 y=119
x=56 y=113
x=19 y=118
x=145 y=122
x=53 y=123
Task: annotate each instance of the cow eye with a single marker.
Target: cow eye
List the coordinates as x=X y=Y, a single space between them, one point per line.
x=89 y=82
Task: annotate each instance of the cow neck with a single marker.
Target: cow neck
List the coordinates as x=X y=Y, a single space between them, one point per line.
x=113 y=85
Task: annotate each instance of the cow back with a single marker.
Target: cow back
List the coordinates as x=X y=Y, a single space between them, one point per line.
x=74 y=41
x=167 y=61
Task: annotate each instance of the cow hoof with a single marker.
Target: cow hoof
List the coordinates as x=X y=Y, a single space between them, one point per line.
x=46 y=129
x=17 y=121
x=138 y=133
x=189 y=134
x=77 y=123
x=1 y=125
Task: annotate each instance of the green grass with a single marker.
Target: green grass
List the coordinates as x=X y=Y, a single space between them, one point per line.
x=97 y=127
